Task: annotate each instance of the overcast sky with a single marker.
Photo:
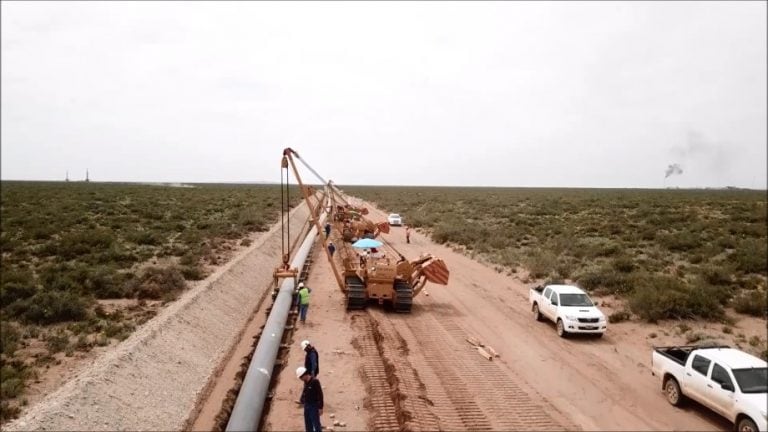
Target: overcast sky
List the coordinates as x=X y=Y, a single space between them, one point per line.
x=601 y=94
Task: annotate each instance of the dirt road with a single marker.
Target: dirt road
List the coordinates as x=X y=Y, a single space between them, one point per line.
x=382 y=370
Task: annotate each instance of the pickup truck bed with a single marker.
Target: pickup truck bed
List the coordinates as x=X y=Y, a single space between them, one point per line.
x=679 y=354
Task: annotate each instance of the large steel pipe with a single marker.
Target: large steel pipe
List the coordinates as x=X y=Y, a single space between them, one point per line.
x=249 y=405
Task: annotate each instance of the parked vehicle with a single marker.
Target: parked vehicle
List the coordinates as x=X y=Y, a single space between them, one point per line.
x=730 y=382
x=395 y=219
x=569 y=308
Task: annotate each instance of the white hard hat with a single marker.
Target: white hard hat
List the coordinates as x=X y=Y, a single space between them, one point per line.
x=301 y=284
x=304 y=344
x=300 y=371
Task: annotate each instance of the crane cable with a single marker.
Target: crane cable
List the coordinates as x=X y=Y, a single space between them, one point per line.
x=285 y=203
x=282 y=215
x=322 y=180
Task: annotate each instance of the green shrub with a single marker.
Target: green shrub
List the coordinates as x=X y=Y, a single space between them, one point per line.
x=541 y=264
x=751 y=303
x=721 y=293
x=680 y=242
x=192 y=272
x=751 y=256
x=623 y=264
x=9 y=337
x=101 y=340
x=8 y=410
x=190 y=259
x=619 y=316
x=608 y=281
x=665 y=297
x=78 y=243
x=252 y=220
x=57 y=342
x=648 y=234
x=143 y=238
x=112 y=330
x=83 y=344
x=716 y=275
x=14 y=374
x=455 y=230
x=157 y=283
x=11 y=387
x=16 y=284
x=48 y=307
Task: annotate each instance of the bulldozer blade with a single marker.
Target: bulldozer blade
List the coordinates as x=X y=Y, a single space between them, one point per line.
x=437 y=272
x=383 y=227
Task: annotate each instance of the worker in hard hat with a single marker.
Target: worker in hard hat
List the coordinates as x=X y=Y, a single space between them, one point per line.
x=303 y=301
x=311 y=358
x=312 y=396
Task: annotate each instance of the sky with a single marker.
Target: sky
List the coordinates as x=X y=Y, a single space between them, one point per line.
x=521 y=94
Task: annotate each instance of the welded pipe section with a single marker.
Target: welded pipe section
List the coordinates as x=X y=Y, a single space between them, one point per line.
x=249 y=405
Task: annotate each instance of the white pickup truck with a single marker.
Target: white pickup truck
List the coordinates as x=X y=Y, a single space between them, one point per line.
x=569 y=308
x=726 y=380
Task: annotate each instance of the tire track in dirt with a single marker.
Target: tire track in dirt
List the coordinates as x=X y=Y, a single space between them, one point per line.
x=380 y=399
x=444 y=394
x=463 y=390
x=409 y=389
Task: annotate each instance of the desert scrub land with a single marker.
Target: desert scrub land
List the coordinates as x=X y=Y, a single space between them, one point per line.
x=84 y=264
x=670 y=254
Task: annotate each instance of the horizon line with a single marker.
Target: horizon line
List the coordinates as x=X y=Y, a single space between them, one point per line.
x=727 y=187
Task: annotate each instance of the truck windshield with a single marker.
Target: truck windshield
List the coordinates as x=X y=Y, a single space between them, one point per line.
x=575 y=300
x=753 y=380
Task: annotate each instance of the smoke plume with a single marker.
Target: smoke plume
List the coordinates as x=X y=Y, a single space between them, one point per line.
x=673 y=169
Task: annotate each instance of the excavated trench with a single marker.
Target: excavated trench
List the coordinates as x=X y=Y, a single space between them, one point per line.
x=221 y=419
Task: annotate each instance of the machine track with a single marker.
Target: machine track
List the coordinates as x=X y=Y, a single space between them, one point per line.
x=404 y=300
x=355 y=293
x=375 y=375
x=478 y=389
x=454 y=388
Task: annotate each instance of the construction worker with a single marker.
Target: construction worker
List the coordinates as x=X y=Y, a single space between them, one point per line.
x=312 y=396
x=331 y=248
x=303 y=302
x=311 y=359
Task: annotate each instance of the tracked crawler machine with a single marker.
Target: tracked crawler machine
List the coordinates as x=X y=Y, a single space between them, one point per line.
x=380 y=274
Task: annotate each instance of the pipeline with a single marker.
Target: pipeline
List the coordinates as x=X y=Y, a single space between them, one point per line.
x=246 y=414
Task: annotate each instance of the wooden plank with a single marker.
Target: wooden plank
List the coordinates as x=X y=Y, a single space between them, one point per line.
x=484 y=353
x=491 y=351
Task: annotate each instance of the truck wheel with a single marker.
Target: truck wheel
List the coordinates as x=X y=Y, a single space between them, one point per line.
x=746 y=425
x=536 y=313
x=561 y=329
x=672 y=391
